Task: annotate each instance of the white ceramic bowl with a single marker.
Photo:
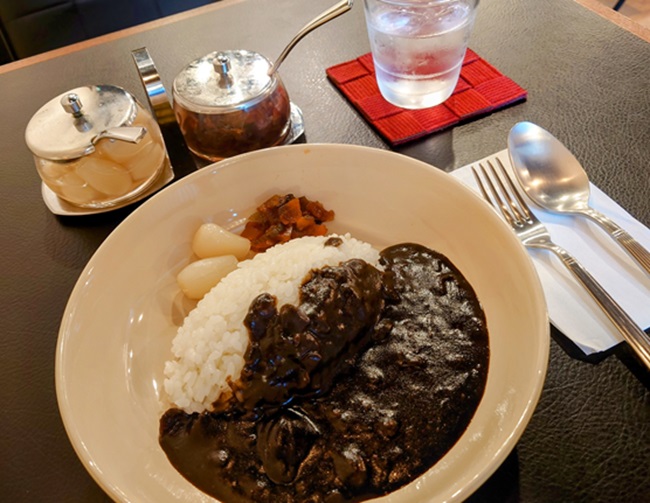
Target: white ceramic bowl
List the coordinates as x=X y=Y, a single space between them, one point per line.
x=124 y=310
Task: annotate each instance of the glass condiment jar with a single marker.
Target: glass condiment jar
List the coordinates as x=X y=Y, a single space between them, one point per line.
x=226 y=104
x=96 y=146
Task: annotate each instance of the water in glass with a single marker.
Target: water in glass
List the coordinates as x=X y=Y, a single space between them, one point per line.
x=418 y=47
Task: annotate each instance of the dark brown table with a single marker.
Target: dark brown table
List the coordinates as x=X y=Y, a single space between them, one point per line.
x=589 y=83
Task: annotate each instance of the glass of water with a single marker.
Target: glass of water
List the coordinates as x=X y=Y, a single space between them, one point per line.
x=418 y=47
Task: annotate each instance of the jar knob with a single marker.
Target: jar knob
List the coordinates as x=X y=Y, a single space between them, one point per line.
x=71 y=103
x=221 y=65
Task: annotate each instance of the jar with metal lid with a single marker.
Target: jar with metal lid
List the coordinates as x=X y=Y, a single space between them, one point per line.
x=96 y=146
x=226 y=104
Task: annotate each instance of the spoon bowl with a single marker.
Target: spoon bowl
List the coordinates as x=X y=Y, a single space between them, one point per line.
x=549 y=173
x=554 y=179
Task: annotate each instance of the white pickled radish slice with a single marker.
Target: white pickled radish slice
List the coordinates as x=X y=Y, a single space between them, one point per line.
x=51 y=170
x=147 y=162
x=199 y=277
x=105 y=176
x=212 y=240
x=75 y=189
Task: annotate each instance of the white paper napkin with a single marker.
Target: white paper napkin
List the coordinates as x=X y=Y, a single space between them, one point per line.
x=570 y=307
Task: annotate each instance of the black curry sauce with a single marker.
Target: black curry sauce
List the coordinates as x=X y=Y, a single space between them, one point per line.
x=348 y=396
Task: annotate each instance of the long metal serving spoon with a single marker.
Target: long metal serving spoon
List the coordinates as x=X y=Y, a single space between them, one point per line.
x=555 y=180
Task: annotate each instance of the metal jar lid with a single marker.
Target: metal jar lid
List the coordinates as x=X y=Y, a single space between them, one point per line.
x=223 y=81
x=65 y=127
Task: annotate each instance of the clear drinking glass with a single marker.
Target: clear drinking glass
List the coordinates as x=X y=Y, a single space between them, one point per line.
x=418 y=47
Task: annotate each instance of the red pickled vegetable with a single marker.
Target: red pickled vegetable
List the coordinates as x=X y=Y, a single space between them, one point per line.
x=281 y=218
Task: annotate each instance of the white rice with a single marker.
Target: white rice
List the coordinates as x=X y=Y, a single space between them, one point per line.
x=209 y=348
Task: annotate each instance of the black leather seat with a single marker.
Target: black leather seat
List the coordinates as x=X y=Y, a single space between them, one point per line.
x=29 y=27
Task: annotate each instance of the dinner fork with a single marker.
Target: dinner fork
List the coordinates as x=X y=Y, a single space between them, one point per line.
x=500 y=191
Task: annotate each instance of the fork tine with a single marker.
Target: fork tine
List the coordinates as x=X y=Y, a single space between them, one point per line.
x=479 y=182
x=495 y=199
x=519 y=217
x=522 y=207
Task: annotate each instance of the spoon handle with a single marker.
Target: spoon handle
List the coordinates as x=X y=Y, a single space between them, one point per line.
x=336 y=10
x=629 y=244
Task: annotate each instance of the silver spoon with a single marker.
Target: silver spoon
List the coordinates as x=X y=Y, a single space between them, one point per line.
x=554 y=179
x=336 y=10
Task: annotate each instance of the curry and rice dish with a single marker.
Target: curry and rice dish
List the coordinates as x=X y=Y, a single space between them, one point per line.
x=323 y=370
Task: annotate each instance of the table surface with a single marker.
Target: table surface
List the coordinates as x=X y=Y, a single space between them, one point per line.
x=589 y=83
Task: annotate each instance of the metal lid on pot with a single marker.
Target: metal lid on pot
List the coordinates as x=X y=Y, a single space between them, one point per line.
x=65 y=127
x=223 y=81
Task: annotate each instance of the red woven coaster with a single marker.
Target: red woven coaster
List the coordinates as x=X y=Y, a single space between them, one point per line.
x=481 y=89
